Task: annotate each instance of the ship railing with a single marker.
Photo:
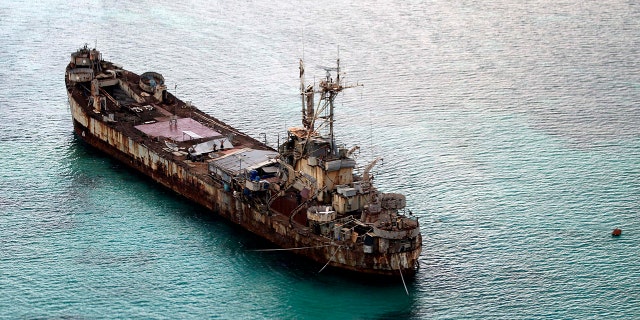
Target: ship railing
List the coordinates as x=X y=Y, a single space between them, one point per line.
x=345 y=221
x=405 y=213
x=216 y=125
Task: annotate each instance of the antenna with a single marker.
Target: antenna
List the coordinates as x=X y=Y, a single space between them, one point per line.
x=370 y=129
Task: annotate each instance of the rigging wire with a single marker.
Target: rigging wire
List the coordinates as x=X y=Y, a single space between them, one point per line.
x=333 y=255
x=288 y=249
x=403 y=283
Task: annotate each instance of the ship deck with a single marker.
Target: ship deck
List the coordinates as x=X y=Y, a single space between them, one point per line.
x=152 y=123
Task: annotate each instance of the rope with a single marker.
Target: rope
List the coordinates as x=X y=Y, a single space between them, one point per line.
x=334 y=253
x=288 y=249
x=402 y=277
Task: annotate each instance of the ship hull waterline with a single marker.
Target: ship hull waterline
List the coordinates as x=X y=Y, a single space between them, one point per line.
x=276 y=229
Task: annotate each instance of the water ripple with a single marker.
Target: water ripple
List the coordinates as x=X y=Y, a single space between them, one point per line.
x=512 y=127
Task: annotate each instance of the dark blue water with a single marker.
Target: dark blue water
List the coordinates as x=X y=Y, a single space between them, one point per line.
x=513 y=128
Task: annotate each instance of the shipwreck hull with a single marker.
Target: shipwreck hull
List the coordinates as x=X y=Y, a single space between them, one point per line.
x=261 y=221
x=304 y=197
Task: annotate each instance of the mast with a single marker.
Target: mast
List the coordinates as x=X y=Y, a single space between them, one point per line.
x=316 y=138
x=302 y=95
x=321 y=118
x=331 y=99
x=307 y=98
x=329 y=88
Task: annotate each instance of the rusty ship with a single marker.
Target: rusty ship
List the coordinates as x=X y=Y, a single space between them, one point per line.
x=308 y=196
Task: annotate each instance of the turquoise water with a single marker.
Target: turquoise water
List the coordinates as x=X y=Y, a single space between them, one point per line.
x=514 y=130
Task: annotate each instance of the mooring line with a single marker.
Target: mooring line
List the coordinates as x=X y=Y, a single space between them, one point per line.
x=288 y=249
x=334 y=253
x=399 y=270
x=403 y=283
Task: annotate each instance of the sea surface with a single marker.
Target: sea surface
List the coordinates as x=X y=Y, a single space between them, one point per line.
x=513 y=127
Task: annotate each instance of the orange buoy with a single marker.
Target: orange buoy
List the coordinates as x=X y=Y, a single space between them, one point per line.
x=616 y=232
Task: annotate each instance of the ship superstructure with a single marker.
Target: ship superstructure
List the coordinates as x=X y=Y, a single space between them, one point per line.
x=304 y=196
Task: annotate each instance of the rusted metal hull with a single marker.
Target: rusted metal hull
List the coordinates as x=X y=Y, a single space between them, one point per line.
x=275 y=228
